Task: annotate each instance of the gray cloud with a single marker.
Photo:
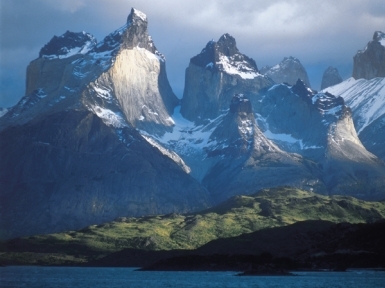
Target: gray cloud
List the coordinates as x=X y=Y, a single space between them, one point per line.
x=319 y=33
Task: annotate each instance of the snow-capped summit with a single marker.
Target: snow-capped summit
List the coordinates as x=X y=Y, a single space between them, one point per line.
x=379 y=37
x=225 y=71
x=224 y=56
x=136 y=16
x=370 y=62
x=289 y=70
x=67 y=45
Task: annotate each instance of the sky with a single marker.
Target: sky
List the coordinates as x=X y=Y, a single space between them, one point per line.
x=318 y=33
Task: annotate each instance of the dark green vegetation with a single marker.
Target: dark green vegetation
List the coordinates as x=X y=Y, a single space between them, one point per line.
x=129 y=241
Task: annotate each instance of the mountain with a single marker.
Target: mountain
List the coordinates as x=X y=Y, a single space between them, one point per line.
x=248 y=161
x=71 y=152
x=330 y=77
x=269 y=208
x=289 y=70
x=214 y=76
x=365 y=95
x=320 y=128
x=289 y=135
x=370 y=62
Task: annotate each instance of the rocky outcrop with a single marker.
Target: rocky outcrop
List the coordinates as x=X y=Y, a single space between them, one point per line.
x=289 y=70
x=370 y=62
x=215 y=75
x=330 y=77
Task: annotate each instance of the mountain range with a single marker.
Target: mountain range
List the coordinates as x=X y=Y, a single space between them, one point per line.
x=100 y=133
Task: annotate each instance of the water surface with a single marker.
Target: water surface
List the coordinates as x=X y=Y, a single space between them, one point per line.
x=55 y=277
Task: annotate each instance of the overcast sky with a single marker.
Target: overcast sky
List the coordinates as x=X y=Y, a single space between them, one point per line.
x=319 y=33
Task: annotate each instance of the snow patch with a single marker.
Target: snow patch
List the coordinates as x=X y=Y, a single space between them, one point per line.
x=109 y=117
x=366 y=98
x=172 y=155
x=237 y=68
x=140 y=14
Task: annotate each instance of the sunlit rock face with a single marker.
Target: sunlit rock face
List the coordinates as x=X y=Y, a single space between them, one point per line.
x=289 y=70
x=370 y=62
x=74 y=156
x=366 y=98
x=319 y=126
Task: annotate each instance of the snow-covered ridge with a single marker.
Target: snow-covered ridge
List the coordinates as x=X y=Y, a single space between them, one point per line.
x=67 y=45
x=234 y=67
x=171 y=154
x=186 y=138
x=109 y=117
x=366 y=98
x=140 y=14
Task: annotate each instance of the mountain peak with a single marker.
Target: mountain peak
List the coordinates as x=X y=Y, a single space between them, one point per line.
x=379 y=36
x=330 y=77
x=136 y=17
x=227 y=45
x=369 y=63
x=68 y=44
x=289 y=70
x=240 y=103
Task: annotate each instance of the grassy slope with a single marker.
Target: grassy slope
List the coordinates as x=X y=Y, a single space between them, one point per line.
x=241 y=214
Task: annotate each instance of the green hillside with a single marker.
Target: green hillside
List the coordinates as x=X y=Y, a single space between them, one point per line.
x=241 y=214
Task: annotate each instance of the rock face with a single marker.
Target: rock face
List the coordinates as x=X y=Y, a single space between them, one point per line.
x=73 y=155
x=321 y=129
x=370 y=62
x=330 y=77
x=289 y=70
x=366 y=98
x=125 y=66
x=214 y=76
x=249 y=161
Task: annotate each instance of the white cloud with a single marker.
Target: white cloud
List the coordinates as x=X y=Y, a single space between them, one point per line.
x=319 y=33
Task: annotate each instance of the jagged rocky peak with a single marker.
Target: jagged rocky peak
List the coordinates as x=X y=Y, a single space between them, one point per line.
x=240 y=103
x=137 y=34
x=133 y=34
x=215 y=75
x=137 y=17
x=235 y=133
x=330 y=77
x=224 y=56
x=68 y=44
x=370 y=62
x=289 y=70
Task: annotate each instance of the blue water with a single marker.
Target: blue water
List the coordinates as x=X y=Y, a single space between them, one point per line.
x=19 y=276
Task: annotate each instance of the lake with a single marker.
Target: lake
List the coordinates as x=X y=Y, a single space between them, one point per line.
x=55 y=277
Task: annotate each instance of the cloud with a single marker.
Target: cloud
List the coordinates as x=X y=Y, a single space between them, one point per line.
x=319 y=33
